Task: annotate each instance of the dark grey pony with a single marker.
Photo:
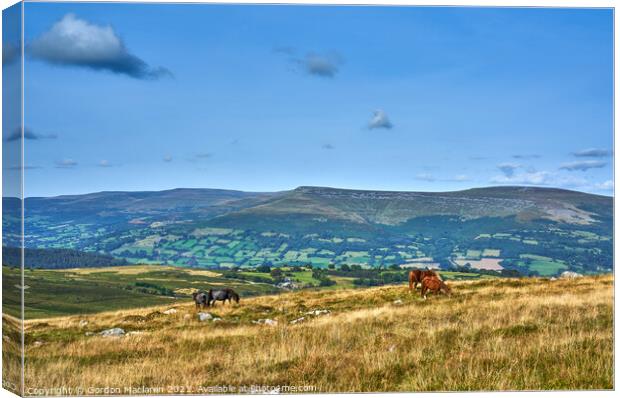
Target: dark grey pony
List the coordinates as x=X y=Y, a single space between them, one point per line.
x=201 y=299
x=222 y=295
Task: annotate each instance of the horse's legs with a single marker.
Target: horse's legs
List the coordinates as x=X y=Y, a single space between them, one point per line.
x=423 y=292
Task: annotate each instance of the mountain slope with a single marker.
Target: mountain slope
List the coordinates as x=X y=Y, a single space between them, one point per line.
x=390 y=208
x=530 y=230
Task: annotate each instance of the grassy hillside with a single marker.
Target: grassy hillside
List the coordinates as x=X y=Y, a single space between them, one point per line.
x=494 y=334
x=91 y=290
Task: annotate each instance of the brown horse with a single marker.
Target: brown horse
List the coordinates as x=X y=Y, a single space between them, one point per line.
x=416 y=276
x=435 y=285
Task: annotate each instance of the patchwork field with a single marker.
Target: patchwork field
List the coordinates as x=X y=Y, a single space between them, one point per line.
x=493 y=334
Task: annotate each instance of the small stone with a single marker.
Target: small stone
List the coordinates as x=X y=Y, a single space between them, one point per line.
x=298 y=320
x=269 y=322
x=114 y=332
x=204 y=316
x=170 y=311
x=398 y=302
x=82 y=323
x=570 y=275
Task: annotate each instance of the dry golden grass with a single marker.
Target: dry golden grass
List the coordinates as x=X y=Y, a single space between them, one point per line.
x=504 y=334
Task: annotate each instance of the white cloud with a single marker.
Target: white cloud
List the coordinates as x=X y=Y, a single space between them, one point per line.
x=105 y=163
x=380 y=120
x=167 y=159
x=75 y=42
x=605 y=186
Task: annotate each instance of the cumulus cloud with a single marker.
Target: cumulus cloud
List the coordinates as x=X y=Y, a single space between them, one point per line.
x=593 y=153
x=327 y=146
x=66 y=163
x=380 y=120
x=28 y=135
x=105 y=163
x=508 y=168
x=75 y=42
x=583 y=165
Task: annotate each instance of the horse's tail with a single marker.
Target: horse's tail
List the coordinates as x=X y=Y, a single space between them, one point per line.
x=438 y=276
x=411 y=278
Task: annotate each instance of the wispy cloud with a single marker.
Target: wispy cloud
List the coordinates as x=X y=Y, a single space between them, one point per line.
x=66 y=164
x=583 y=165
x=541 y=178
x=605 y=186
x=425 y=177
x=593 y=153
x=75 y=42
x=325 y=65
x=428 y=177
x=508 y=168
x=327 y=146
x=380 y=120
x=167 y=159
x=322 y=65
x=105 y=163
x=203 y=155
x=26 y=167
x=28 y=135
x=526 y=156
x=461 y=178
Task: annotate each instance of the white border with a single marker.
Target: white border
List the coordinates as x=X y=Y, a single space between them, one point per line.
x=480 y=3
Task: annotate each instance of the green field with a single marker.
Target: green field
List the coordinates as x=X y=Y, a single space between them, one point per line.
x=79 y=291
x=52 y=293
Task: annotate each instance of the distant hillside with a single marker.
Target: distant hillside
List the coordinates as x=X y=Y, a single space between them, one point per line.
x=530 y=230
x=57 y=258
x=392 y=208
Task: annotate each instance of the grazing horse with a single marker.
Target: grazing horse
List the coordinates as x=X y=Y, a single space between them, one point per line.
x=416 y=276
x=222 y=295
x=435 y=285
x=201 y=299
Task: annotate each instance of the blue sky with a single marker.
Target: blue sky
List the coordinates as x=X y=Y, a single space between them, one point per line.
x=265 y=98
